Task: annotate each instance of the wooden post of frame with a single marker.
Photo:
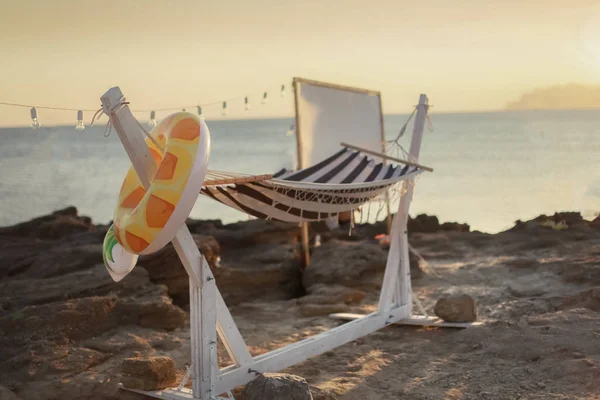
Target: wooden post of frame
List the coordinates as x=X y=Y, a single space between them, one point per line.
x=397 y=283
x=305 y=239
x=396 y=292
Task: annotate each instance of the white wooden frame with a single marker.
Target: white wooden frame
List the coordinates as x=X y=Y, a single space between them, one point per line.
x=209 y=314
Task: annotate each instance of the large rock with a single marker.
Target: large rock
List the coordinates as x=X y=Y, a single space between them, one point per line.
x=25 y=332
x=62 y=317
x=589 y=299
x=424 y=223
x=40 y=330
x=18 y=293
x=64 y=259
x=570 y=218
x=456 y=309
x=266 y=272
x=247 y=233
x=134 y=291
x=581 y=269
x=272 y=386
x=322 y=394
x=152 y=373
x=559 y=221
x=357 y=265
x=7 y=394
x=18 y=254
x=154 y=310
x=261 y=271
x=595 y=223
x=57 y=225
x=165 y=267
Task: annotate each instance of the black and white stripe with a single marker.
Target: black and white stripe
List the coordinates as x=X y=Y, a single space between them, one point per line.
x=340 y=183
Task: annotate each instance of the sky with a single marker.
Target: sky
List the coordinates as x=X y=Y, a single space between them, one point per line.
x=465 y=55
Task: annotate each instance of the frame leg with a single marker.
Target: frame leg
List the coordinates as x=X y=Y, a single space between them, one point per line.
x=203 y=322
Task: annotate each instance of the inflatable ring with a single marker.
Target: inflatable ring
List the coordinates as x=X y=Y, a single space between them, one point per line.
x=118 y=262
x=146 y=220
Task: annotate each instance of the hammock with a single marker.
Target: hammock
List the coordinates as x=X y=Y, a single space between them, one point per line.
x=340 y=183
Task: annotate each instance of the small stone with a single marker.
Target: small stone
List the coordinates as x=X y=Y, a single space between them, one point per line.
x=541 y=385
x=151 y=373
x=456 y=309
x=272 y=386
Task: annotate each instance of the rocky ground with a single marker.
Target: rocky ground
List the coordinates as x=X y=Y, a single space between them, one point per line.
x=66 y=327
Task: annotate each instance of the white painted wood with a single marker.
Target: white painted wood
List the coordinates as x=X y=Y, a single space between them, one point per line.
x=195 y=332
x=183 y=382
x=113 y=105
x=385 y=156
x=226 y=328
x=209 y=313
x=395 y=259
x=397 y=270
x=204 y=336
x=167 y=394
x=230 y=335
x=418 y=303
x=300 y=351
x=421 y=320
x=208 y=339
x=403 y=281
x=170 y=394
x=417 y=320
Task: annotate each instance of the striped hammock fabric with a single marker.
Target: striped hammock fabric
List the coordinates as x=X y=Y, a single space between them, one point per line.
x=340 y=183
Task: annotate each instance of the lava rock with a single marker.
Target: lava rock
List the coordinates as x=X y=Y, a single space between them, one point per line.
x=248 y=233
x=57 y=225
x=271 y=386
x=456 y=309
x=358 y=265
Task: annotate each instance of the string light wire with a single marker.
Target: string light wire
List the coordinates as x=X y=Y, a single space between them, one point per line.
x=212 y=103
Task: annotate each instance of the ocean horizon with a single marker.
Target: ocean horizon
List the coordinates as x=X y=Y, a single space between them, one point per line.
x=490 y=168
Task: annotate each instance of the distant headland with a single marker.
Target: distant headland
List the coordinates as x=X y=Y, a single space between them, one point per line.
x=569 y=96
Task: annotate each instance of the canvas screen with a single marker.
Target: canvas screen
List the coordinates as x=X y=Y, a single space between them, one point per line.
x=330 y=115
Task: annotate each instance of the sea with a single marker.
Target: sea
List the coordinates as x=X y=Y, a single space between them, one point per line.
x=490 y=169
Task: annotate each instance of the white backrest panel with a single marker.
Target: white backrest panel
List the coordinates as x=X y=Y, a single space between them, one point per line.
x=328 y=115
